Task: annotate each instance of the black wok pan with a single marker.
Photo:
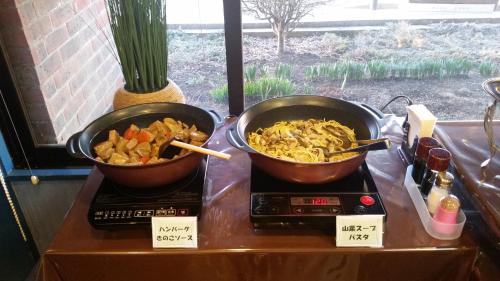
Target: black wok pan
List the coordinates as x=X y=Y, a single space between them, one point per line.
x=81 y=144
x=365 y=121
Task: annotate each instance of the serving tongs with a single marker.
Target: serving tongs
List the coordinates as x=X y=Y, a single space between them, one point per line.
x=366 y=145
x=172 y=147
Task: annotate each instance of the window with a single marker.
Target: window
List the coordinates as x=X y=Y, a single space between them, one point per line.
x=366 y=51
x=62 y=70
x=436 y=54
x=197 y=56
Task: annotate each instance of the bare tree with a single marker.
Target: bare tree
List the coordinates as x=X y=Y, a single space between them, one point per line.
x=283 y=15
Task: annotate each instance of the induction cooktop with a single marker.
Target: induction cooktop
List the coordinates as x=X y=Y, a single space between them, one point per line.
x=275 y=203
x=117 y=206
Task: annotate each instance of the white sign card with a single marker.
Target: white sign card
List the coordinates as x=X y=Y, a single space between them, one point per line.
x=360 y=231
x=174 y=232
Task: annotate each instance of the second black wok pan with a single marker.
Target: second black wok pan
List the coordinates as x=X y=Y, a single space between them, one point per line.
x=365 y=121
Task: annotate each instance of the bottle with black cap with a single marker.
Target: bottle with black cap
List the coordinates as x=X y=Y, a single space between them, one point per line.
x=421 y=154
x=437 y=162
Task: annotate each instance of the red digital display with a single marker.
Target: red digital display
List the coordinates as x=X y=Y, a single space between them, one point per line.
x=316 y=201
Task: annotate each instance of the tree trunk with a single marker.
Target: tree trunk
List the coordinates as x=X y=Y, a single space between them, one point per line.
x=281 y=42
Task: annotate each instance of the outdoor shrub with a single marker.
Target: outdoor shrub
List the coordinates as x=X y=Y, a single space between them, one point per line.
x=397 y=69
x=487 y=68
x=413 y=68
x=352 y=70
x=402 y=34
x=283 y=71
x=333 y=43
x=219 y=94
x=331 y=71
x=346 y=70
x=268 y=87
x=466 y=66
x=312 y=72
x=250 y=72
x=455 y=66
x=263 y=70
x=324 y=69
x=423 y=69
x=428 y=68
x=251 y=89
x=378 y=69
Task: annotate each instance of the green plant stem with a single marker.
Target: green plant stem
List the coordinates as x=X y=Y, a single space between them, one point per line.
x=139 y=30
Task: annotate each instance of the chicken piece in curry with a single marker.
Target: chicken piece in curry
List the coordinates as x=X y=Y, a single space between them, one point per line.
x=138 y=146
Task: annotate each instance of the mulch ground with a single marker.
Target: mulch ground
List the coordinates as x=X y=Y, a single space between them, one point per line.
x=197 y=64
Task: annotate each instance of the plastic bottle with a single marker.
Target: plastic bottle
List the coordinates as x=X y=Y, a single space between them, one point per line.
x=446 y=215
x=439 y=190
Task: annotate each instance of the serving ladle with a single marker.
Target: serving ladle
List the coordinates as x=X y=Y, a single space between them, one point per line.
x=172 y=147
x=366 y=145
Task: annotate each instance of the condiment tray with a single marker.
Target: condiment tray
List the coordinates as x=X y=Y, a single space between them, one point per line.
x=436 y=229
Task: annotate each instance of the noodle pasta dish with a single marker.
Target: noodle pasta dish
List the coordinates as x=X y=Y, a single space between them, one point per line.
x=311 y=140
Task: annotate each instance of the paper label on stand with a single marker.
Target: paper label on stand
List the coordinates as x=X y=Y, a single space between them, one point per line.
x=360 y=231
x=174 y=232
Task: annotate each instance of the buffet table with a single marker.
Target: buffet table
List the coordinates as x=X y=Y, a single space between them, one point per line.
x=230 y=249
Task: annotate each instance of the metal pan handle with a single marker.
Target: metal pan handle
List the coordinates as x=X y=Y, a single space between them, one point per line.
x=379 y=115
x=219 y=121
x=233 y=138
x=72 y=146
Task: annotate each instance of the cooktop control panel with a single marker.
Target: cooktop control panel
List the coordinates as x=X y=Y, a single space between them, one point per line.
x=120 y=215
x=316 y=210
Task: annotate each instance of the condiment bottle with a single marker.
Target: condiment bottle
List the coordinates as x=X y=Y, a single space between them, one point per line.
x=445 y=218
x=438 y=161
x=439 y=190
x=422 y=152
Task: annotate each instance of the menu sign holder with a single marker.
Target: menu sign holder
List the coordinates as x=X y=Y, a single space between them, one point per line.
x=174 y=232
x=360 y=231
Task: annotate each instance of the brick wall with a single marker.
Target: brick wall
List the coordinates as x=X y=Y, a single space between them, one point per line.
x=62 y=62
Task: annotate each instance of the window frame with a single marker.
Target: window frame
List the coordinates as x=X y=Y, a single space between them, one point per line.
x=54 y=156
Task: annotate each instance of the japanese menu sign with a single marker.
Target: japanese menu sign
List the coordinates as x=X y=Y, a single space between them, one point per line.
x=174 y=232
x=360 y=231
